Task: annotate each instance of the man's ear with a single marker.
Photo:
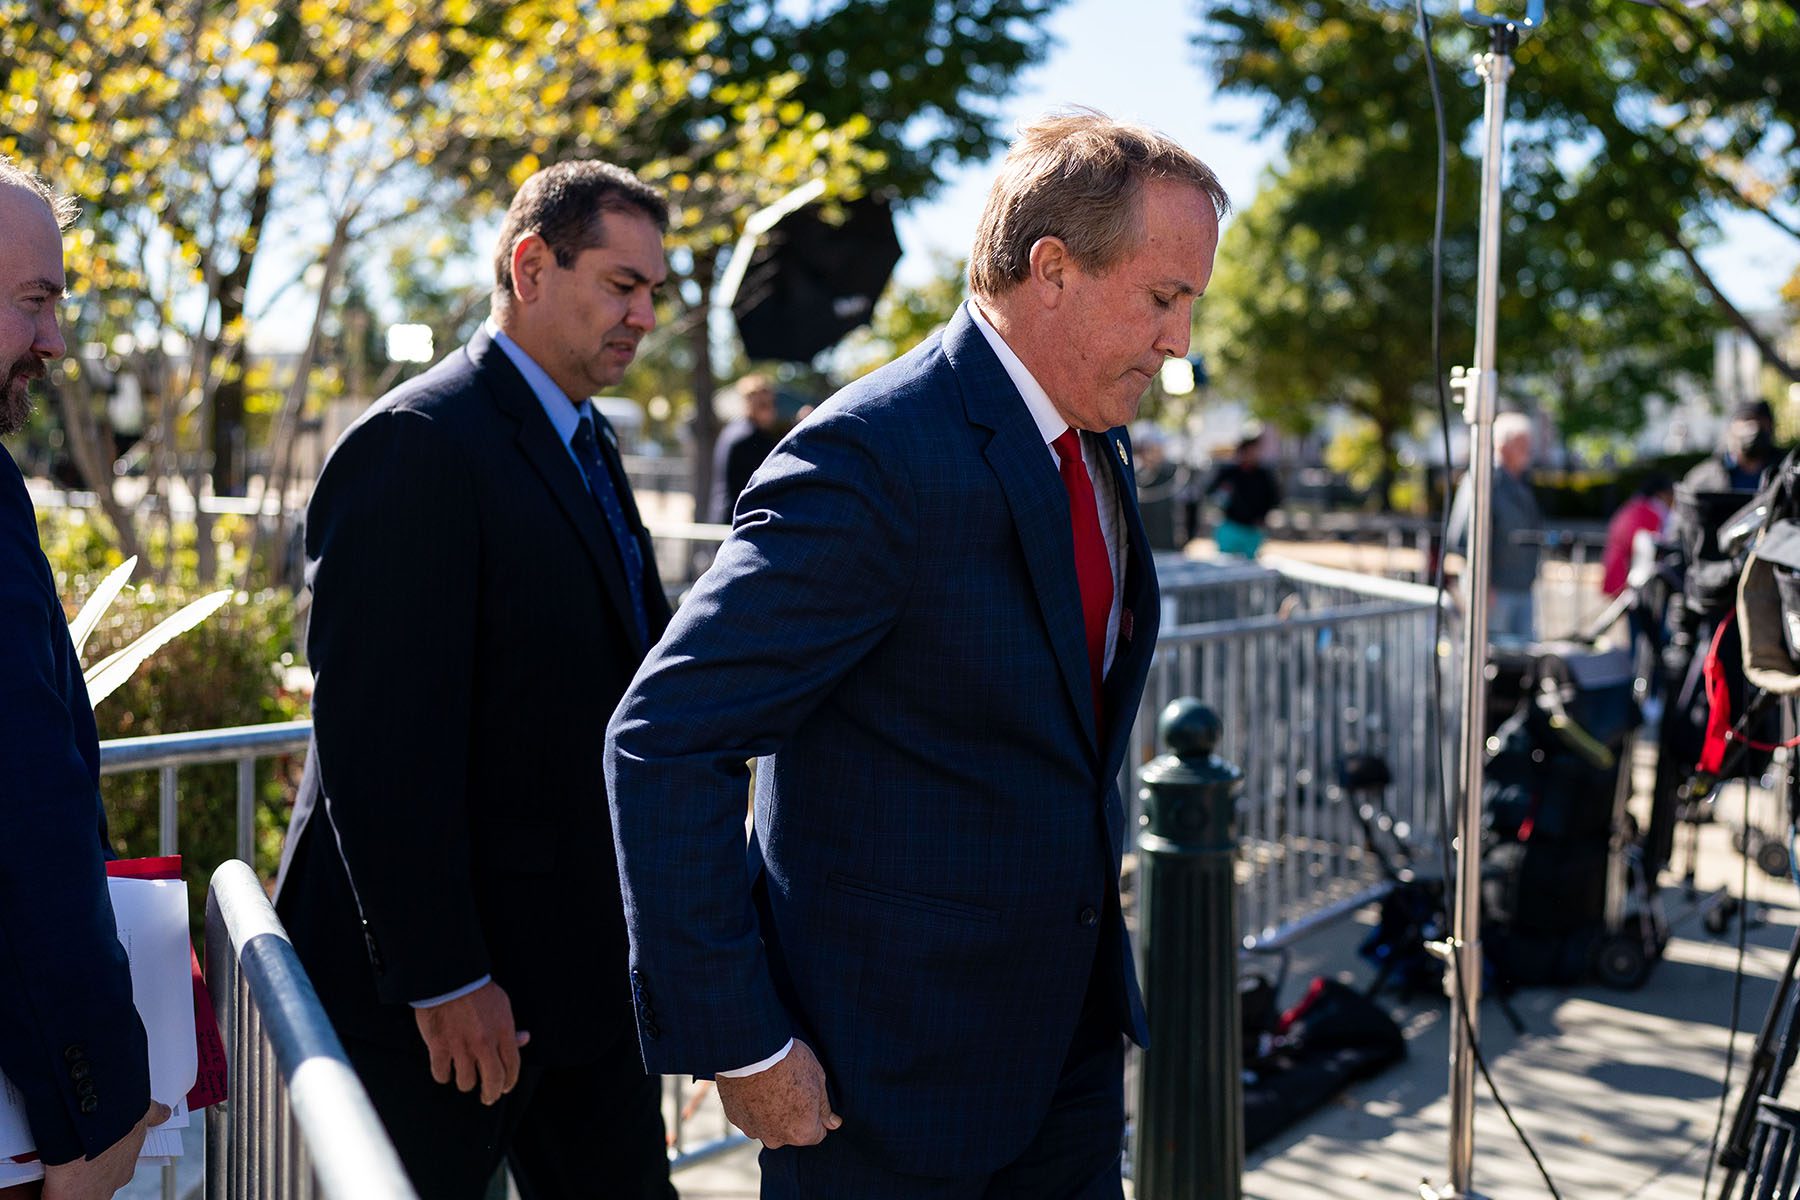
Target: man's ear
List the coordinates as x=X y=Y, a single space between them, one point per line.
x=531 y=257
x=1049 y=270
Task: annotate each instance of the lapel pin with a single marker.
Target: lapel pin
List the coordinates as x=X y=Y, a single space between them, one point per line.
x=1123 y=457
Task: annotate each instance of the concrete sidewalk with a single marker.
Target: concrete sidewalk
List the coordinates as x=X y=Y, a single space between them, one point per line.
x=1619 y=1091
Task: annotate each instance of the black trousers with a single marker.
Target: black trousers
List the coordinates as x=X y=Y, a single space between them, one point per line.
x=578 y=1131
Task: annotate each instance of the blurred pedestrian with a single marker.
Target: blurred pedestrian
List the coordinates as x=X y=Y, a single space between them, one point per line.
x=1248 y=493
x=1515 y=521
x=1645 y=512
x=742 y=446
x=71 y=1042
x=1157 y=481
x=1746 y=453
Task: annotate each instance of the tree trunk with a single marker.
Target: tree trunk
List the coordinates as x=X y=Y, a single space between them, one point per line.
x=1764 y=346
x=227 y=437
x=281 y=446
x=705 y=422
x=93 y=460
x=1389 y=470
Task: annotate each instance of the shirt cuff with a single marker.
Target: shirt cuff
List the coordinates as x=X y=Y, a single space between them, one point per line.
x=458 y=994
x=757 y=1068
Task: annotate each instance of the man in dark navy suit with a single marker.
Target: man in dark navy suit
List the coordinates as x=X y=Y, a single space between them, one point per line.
x=483 y=590
x=70 y=1038
x=931 y=623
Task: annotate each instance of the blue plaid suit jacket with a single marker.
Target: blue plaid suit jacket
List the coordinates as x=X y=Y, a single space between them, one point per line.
x=894 y=630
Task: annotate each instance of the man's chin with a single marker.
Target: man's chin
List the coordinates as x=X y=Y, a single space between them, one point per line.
x=15 y=407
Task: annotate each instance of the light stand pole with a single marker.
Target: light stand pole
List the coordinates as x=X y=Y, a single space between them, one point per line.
x=1480 y=393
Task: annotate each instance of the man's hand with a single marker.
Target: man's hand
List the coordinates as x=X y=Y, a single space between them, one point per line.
x=785 y=1105
x=473 y=1039
x=99 y=1177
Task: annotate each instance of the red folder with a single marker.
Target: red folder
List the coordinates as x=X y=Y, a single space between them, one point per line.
x=209 y=1081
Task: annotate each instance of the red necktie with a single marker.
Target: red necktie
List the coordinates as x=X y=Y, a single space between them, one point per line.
x=1093 y=570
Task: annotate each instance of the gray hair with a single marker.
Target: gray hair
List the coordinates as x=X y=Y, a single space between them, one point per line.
x=1508 y=426
x=1076 y=175
x=63 y=208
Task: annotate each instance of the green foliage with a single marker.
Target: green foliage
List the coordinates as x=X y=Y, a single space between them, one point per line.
x=924 y=74
x=231 y=670
x=1597 y=495
x=1324 y=286
x=1632 y=127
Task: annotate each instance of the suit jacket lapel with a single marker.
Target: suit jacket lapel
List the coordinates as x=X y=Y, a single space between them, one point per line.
x=550 y=459
x=1035 y=496
x=1139 y=616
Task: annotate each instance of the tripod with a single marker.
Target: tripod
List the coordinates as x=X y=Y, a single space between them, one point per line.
x=1762 y=1137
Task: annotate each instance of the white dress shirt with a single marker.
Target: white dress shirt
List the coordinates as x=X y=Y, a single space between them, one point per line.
x=1095 y=455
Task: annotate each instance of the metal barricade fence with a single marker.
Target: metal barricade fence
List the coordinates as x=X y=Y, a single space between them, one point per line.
x=696 y=1137
x=296 y=1123
x=1305 y=665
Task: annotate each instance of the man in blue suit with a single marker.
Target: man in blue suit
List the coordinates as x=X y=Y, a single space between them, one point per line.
x=931 y=624
x=70 y=1038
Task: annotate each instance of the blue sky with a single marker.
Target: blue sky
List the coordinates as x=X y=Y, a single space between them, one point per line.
x=1134 y=59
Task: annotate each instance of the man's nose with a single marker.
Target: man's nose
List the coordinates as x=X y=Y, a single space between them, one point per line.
x=1175 y=335
x=642 y=313
x=49 y=344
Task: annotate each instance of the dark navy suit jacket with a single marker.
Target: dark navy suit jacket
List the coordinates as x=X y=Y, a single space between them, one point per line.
x=469 y=634
x=70 y=1039
x=894 y=628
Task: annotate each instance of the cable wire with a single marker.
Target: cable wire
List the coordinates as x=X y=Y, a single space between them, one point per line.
x=1459 y=994
x=1737 y=997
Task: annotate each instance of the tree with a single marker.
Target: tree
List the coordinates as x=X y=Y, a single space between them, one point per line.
x=1322 y=295
x=192 y=134
x=927 y=75
x=1635 y=126
x=1324 y=288
x=912 y=114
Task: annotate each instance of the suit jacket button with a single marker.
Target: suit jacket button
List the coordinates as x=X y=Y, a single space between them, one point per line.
x=1089 y=917
x=79 y=1071
x=74 y=1053
x=651 y=1031
x=85 y=1088
x=89 y=1105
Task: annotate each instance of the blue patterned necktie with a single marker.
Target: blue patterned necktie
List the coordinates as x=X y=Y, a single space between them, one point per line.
x=606 y=495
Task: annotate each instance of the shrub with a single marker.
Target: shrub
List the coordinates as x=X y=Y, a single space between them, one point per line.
x=231 y=670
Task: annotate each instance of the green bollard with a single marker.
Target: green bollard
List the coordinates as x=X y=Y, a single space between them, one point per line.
x=1188 y=1143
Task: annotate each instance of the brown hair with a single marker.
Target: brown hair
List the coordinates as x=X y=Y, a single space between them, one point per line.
x=63 y=208
x=563 y=204
x=1076 y=175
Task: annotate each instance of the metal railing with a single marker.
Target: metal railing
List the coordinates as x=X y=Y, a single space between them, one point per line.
x=296 y=1123
x=697 y=1136
x=1305 y=665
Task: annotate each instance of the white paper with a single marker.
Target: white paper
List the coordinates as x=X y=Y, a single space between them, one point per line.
x=161 y=1143
x=12 y=1172
x=152 y=918
x=15 y=1135
x=153 y=925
